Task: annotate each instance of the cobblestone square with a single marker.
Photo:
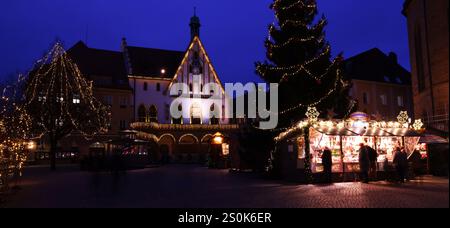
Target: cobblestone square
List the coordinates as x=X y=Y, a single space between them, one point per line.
x=197 y=187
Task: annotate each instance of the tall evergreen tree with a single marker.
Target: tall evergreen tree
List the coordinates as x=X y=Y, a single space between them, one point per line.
x=300 y=59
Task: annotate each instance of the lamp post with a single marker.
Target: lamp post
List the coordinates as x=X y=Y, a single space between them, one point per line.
x=219 y=151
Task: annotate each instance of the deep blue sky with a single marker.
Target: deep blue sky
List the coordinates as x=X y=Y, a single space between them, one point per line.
x=233 y=30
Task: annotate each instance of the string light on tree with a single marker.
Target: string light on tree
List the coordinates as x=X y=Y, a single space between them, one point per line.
x=60 y=100
x=309 y=77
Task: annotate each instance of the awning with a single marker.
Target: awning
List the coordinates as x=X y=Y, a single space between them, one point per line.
x=336 y=131
x=432 y=139
x=376 y=132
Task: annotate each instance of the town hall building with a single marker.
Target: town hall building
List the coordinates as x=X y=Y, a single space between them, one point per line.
x=138 y=85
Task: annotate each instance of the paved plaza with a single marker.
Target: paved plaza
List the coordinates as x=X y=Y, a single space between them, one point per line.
x=198 y=187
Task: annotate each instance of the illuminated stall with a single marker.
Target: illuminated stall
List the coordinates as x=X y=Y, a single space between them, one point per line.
x=343 y=138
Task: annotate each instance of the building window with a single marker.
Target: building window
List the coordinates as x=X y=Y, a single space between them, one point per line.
x=365 y=98
x=153 y=113
x=419 y=60
x=108 y=100
x=158 y=87
x=214 y=115
x=123 y=102
x=196 y=114
x=145 y=86
x=142 y=114
x=123 y=125
x=384 y=100
x=400 y=101
x=76 y=99
x=179 y=120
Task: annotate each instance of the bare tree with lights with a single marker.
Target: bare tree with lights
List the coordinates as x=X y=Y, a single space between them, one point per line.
x=14 y=133
x=60 y=101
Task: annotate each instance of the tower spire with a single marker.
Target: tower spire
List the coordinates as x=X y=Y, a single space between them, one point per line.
x=195 y=25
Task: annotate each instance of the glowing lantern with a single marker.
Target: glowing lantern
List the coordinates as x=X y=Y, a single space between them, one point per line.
x=218 y=139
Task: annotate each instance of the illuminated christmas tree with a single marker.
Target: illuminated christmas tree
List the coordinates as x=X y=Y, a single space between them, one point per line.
x=299 y=58
x=60 y=101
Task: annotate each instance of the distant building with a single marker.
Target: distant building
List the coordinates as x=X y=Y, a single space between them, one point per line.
x=428 y=41
x=381 y=87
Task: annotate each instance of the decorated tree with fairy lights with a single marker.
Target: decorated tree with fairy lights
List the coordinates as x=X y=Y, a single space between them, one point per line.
x=299 y=58
x=14 y=133
x=60 y=101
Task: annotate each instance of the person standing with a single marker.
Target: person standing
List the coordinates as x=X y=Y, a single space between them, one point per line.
x=373 y=158
x=401 y=164
x=364 y=163
x=327 y=163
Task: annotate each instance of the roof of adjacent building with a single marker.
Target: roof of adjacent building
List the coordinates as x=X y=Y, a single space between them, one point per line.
x=405 y=7
x=374 y=65
x=100 y=63
x=149 y=62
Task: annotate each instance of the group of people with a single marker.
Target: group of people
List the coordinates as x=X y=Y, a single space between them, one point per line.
x=368 y=160
x=368 y=163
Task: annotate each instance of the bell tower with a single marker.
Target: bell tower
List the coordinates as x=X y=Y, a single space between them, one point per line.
x=195 y=25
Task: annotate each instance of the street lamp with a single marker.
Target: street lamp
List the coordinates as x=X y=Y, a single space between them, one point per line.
x=218 y=139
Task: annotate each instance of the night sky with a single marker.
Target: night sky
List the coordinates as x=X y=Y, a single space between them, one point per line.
x=233 y=31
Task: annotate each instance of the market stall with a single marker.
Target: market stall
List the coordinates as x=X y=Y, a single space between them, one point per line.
x=343 y=138
x=345 y=144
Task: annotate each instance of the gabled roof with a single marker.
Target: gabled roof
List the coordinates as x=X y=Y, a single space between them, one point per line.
x=149 y=62
x=374 y=65
x=96 y=62
x=186 y=58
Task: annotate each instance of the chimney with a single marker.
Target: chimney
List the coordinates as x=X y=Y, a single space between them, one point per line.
x=393 y=58
x=124 y=44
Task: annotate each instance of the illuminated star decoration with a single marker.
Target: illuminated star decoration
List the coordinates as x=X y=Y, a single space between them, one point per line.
x=312 y=114
x=418 y=125
x=403 y=117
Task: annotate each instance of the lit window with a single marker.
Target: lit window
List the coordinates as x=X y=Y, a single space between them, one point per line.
x=163 y=71
x=76 y=99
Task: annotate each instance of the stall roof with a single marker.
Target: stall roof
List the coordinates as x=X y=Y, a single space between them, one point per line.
x=432 y=139
x=335 y=131
x=380 y=132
